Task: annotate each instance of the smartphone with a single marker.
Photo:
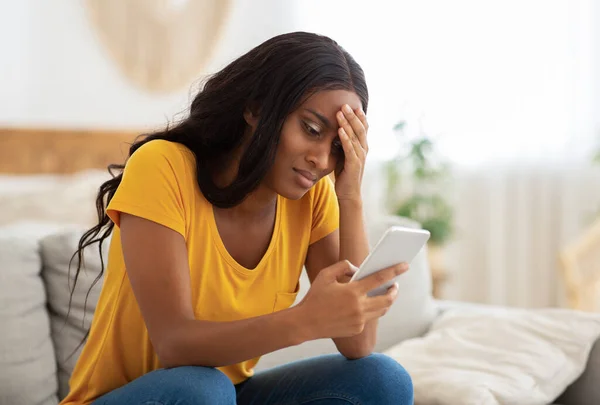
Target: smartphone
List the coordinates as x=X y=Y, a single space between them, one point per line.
x=397 y=245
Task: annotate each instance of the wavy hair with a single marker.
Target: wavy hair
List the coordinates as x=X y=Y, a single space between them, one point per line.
x=274 y=77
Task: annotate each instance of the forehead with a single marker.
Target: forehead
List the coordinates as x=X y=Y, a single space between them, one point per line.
x=331 y=101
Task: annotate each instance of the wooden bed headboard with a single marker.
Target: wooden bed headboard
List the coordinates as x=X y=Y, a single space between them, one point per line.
x=60 y=151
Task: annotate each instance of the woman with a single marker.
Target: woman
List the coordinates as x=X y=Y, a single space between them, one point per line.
x=214 y=219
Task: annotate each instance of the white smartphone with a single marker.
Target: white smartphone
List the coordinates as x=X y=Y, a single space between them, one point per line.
x=397 y=245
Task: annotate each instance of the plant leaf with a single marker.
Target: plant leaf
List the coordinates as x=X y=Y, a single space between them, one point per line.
x=399 y=126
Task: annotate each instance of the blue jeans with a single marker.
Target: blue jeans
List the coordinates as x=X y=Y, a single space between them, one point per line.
x=324 y=380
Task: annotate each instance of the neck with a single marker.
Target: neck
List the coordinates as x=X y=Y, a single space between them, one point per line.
x=259 y=204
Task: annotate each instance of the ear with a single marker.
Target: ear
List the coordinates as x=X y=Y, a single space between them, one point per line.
x=251 y=116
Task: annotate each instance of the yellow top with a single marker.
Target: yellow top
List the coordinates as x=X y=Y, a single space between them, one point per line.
x=159 y=184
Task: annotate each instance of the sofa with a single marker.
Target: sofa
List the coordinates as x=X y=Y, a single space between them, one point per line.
x=39 y=344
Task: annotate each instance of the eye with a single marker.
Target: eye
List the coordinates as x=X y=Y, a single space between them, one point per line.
x=311 y=130
x=336 y=147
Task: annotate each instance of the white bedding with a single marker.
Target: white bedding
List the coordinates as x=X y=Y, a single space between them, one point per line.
x=68 y=199
x=510 y=356
x=18 y=184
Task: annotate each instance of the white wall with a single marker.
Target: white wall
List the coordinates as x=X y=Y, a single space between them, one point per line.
x=508 y=79
x=54 y=71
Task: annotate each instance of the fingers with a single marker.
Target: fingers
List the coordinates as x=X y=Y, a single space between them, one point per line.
x=376 y=307
x=381 y=277
x=355 y=124
x=363 y=118
x=378 y=302
x=363 y=126
x=340 y=270
x=349 y=150
x=347 y=129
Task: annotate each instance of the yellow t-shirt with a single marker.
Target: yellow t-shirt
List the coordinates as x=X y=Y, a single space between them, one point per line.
x=159 y=184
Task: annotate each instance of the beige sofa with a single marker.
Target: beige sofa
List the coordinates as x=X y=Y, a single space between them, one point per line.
x=36 y=338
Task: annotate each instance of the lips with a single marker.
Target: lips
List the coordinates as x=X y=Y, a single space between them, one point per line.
x=305 y=179
x=307 y=174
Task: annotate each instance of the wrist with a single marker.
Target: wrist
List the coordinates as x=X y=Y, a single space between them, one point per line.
x=351 y=202
x=301 y=324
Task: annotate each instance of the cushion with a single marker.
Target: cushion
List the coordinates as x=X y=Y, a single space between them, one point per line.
x=410 y=316
x=27 y=362
x=505 y=356
x=11 y=184
x=36 y=200
x=68 y=332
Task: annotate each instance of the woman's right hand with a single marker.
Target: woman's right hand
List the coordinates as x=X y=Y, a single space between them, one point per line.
x=335 y=308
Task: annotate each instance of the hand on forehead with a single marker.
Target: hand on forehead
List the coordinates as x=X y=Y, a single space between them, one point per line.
x=326 y=104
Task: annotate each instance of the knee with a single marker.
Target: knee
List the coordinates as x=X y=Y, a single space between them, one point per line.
x=199 y=385
x=389 y=380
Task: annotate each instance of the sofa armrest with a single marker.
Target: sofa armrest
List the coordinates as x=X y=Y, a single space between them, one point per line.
x=583 y=391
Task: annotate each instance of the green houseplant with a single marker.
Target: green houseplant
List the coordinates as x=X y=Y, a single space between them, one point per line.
x=416 y=179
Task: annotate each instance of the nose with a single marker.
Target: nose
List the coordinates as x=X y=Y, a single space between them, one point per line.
x=320 y=157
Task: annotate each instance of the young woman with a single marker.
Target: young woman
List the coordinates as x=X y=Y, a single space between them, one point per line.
x=212 y=221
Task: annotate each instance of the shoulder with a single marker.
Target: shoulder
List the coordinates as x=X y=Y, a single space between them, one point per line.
x=159 y=152
x=161 y=147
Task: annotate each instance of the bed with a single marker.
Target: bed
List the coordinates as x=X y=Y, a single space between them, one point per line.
x=61 y=151
x=52 y=175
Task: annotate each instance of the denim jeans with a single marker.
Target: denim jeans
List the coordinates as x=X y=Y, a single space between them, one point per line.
x=324 y=380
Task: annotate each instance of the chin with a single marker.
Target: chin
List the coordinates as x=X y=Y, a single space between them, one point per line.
x=292 y=193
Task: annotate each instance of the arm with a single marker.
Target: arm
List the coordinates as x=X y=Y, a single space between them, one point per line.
x=349 y=243
x=353 y=240
x=156 y=261
x=354 y=247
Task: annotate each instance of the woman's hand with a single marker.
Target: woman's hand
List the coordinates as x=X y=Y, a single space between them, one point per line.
x=353 y=136
x=335 y=308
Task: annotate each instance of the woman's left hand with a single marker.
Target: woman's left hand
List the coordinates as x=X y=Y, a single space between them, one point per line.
x=353 y=136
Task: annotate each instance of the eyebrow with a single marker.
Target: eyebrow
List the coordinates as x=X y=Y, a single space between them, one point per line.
x=322 y=118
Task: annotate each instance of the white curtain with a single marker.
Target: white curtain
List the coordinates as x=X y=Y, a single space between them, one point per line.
x=510 y=90
x=511 y=225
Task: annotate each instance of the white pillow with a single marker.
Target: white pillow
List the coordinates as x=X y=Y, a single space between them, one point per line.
x=27 y=355
x=68 y=332
x=63 y=199
x=34 y=229
x=12 y=184
x=505 y=356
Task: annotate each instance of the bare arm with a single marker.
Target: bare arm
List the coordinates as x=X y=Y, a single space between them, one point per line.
x=157 y=266
x=349 y=243
x=354 y=247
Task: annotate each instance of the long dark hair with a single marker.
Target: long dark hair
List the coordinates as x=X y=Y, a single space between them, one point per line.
x=273 y=78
